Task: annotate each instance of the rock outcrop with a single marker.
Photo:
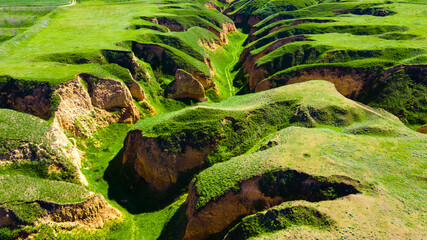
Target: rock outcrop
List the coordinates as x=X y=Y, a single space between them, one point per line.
x=149 y=160
x=112 y=95
x=211 y=5
x=28 y=97
x=82 y=110
x=422 y=129
x=75 y=108
x=92 y=213
x=136 y=90
x=75 y=112
x=185 y=86
x=227 y=27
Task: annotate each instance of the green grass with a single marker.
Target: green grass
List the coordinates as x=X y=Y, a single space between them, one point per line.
x=33 y=2
x=391 y=163
x=16 y=20
x=224 y=61
x=48 y=42
x=68 y=56
x=14 y=125
x=278 y=219
x=40 y=158
x=100 y=150
x=328 y=34
x=237 y=124
x=15 y=188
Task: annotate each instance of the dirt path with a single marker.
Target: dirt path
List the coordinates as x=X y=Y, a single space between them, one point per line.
x=71 y=4
x=228 y=74
x=229 y=66
x=367 y=109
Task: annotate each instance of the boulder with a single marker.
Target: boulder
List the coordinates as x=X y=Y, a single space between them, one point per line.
x=185 y=86
x=422 y=129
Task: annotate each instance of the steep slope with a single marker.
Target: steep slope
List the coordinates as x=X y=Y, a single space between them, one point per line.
x=28 y=201
x=41 y=147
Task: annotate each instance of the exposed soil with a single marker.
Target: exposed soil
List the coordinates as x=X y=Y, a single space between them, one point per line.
x=8 y=218
x=28 y=97
x=257 y=194
x=146 y=156
x=348 y=81
x=365 y=11
x=81 y=111
x=422 y=129
x=185 y=86
x=92 y=213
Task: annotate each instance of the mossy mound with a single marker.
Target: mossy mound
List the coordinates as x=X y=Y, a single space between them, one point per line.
x=278 y=219
x=16 y=188
x=180 y=143
x=360 y=161
x=32 y=151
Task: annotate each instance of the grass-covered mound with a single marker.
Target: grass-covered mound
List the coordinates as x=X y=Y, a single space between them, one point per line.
x=19 y=193
x=32 y=150
x=240 y=122
x=15 y=188
x=278 y=219
x=166 y=150
x=388 y=169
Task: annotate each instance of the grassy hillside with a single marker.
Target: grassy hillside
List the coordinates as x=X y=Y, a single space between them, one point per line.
x=313 y=40
x=33 y=2
x=22 y=188
x=271 y=154
x=31 y=150
x=379 y=163
x=16 y=20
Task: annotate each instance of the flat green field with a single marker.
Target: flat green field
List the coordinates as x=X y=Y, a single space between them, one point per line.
x=33 y=2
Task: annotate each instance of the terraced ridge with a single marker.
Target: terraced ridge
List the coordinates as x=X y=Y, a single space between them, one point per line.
x=370 y=51
x=38 y=151
x=221 y=195
x=170 y=50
